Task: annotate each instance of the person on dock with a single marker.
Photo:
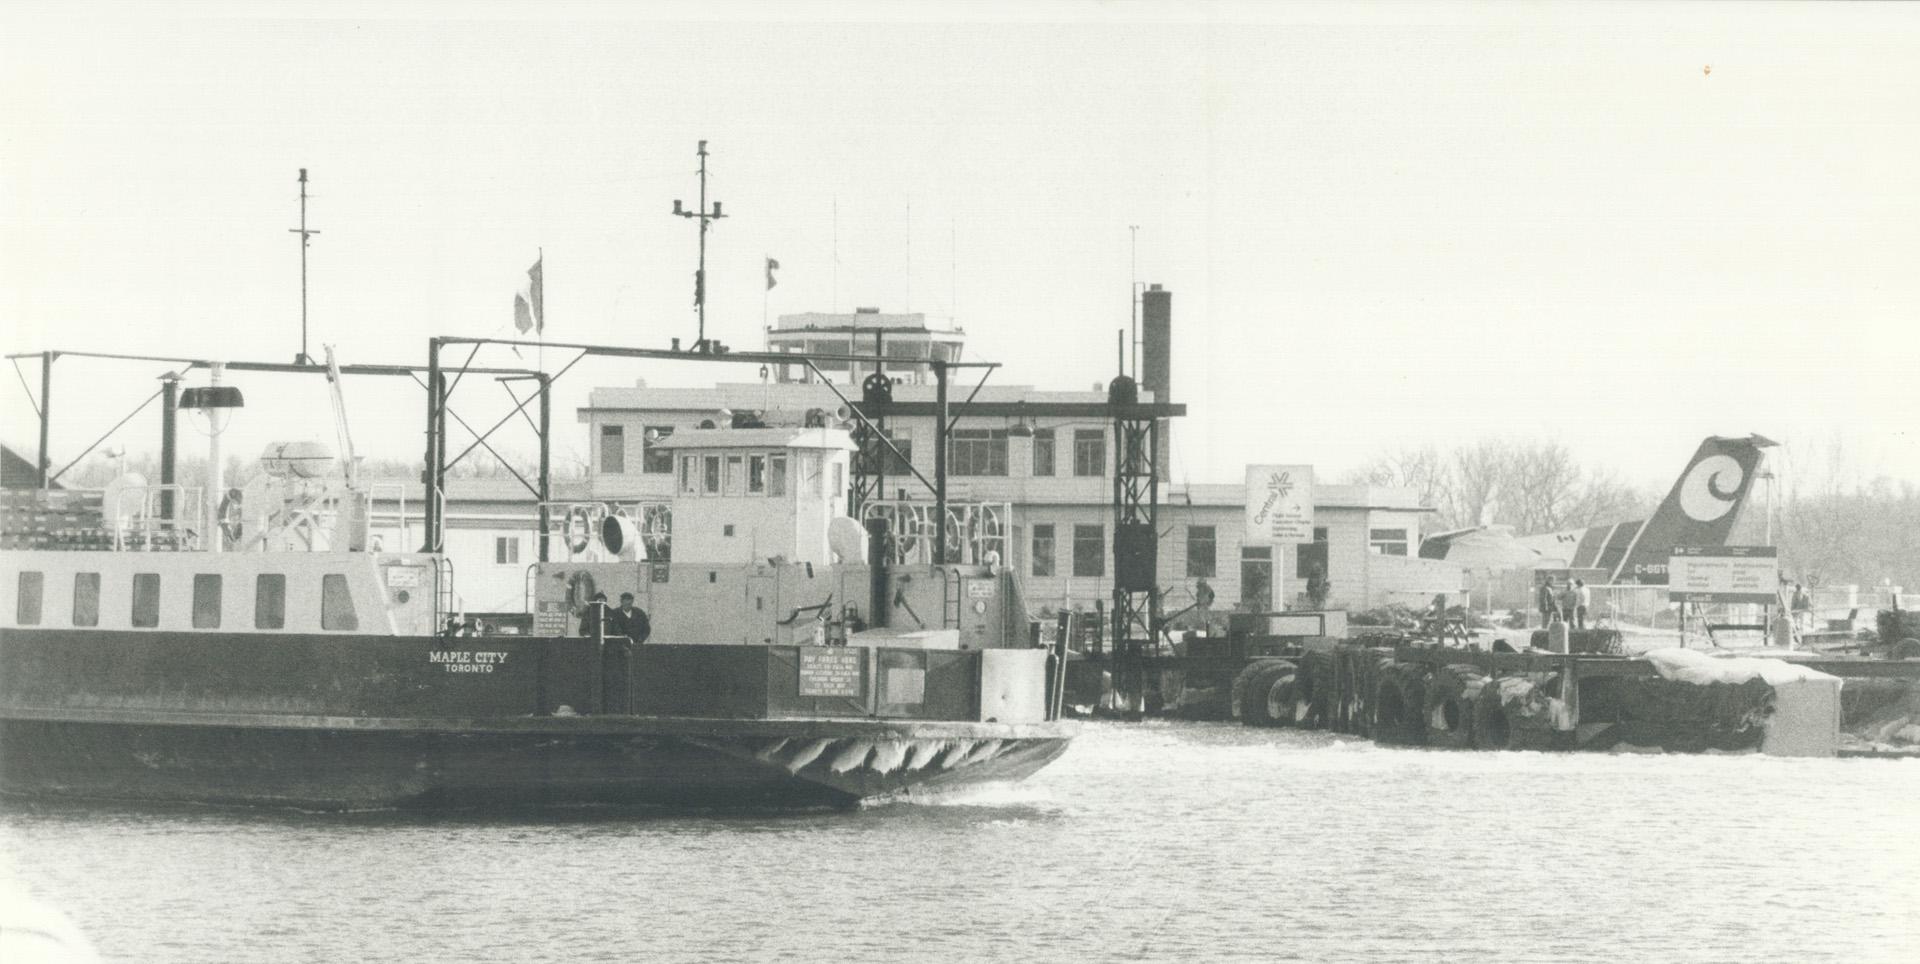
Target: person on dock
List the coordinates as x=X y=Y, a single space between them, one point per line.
x=1802 y=607
x=1569 y=604
x=1582 y=598
x=1549 y=606
x=629 y=620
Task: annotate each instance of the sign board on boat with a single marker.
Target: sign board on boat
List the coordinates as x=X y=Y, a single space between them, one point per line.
x=1279 y=504
x=830 y=671
x=1734 y=574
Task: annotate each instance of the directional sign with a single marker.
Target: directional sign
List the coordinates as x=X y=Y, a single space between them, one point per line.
x=1738 y=574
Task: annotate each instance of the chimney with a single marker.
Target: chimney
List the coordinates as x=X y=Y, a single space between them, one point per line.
x=1156 y=368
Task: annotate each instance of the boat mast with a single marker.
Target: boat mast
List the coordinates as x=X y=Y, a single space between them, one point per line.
x=700 y=275
x=306 y=236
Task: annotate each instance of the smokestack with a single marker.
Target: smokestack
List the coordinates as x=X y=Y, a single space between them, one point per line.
x=1156 y=369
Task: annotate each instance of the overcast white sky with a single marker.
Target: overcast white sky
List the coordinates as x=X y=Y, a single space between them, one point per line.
x=1381 y=225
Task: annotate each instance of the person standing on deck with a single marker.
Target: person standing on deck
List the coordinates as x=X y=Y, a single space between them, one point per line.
x=1583 y=597
x=629 y=621
x=596 y=608
x=1802 y=607
x=1569 y=604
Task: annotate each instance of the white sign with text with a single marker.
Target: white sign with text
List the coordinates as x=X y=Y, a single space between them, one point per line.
x=1279 y=504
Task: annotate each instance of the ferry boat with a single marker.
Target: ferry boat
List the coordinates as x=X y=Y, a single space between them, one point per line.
x=265 y=649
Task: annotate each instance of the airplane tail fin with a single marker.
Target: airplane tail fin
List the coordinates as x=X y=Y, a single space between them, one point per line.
x=1699 y=511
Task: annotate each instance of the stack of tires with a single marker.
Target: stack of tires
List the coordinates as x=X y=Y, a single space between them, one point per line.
x=1399 y=704
x=1514 y=713
x=1254 y=690
x=1452 y=692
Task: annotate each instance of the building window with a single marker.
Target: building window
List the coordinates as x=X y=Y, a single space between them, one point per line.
x=732 y=482
x=1200 y=552
x=1256 y=578
x=776 y=475
x=689 y=474
x=877 y=453
x=270 y=601
x=146 y=600
x=336 y=604
x=1387 y=542
x=86 y=599
x=1043 y=451
x=613 y=449
x=756 y=474
x=206 y=601
x=26 y=610
x=506 y=550
x=1311 y=557
x=1089 y=451
x=710 y=475
x=654 y=459
x=979 y=451
x=1089 y=551
x=1043 y=549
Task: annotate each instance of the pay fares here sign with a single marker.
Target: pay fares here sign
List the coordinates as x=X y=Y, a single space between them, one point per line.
x=1739 y=574
x=1279 y=504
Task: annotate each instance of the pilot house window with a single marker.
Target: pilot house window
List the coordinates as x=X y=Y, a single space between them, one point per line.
x=336 y=604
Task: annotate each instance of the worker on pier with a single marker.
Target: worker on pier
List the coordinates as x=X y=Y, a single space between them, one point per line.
x=1549 y=604
x=1582 y=598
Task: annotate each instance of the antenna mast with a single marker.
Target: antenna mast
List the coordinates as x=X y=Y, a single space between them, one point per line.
x=306 y=237
x=700 y=276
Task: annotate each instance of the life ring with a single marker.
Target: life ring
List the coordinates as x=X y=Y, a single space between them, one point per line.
x=230 y=516
x=579 y=536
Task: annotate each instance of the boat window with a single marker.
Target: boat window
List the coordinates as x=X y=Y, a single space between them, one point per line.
x=86 y=599
x=687 y=483
x=733 y=475
x=206 y=601
x=270 y=601
x=757 y=474
x=711 y=477
x=146 y=600
x=777 y=475
x=27 y=611
x=336 y=604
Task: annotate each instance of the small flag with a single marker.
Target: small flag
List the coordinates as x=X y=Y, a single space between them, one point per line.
x=772 y=266
x=529 y=310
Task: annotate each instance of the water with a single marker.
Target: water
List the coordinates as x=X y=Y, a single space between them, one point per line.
x=1149 y=842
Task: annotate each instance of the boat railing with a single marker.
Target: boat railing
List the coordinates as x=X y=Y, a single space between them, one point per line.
x=974 y=530
x=135 y=519
x=394 y=491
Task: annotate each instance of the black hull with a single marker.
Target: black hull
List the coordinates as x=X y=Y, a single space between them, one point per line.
x=332 y=763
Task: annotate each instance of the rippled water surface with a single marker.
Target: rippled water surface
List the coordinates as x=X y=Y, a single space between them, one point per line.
x=1146 y=842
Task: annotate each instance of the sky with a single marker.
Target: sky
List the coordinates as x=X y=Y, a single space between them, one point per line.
x=1621 y=227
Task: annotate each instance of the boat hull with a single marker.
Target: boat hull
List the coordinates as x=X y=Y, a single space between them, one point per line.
x=334 y=763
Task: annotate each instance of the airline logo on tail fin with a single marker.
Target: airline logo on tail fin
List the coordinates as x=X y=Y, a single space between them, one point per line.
x=1700 y=511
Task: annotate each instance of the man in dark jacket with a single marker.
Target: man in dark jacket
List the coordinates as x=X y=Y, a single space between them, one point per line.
x=629 y=620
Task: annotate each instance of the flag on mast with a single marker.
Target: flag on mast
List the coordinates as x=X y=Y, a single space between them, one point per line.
x=529 y=310
x=772 y=266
